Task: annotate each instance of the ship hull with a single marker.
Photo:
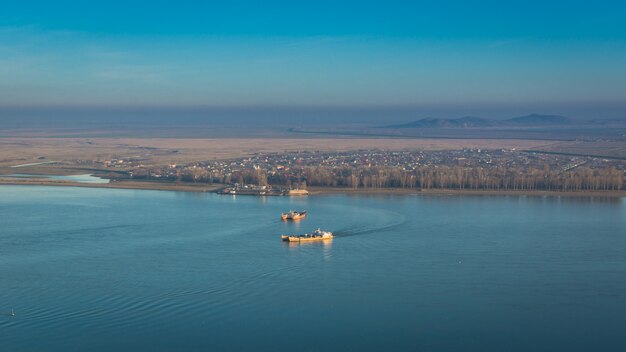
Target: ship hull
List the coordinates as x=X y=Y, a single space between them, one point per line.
x=310 y=239
x=316 y=236
x=305 y=239
x=293 y=216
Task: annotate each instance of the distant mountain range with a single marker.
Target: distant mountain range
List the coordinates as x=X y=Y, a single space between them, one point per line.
x=532 y=120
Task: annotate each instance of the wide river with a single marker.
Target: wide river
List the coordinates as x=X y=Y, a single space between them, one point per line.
x=123 y=270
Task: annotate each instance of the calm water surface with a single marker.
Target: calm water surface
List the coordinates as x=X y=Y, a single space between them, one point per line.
x=101 y=270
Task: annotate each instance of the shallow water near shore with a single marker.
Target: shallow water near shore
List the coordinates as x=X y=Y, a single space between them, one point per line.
x=84 y=178
x=111 y=269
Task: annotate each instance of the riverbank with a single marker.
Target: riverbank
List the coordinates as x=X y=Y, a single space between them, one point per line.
x=194 y=187
x=444 y=192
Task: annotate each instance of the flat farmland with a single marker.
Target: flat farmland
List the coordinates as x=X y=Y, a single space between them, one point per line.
x=601 y=148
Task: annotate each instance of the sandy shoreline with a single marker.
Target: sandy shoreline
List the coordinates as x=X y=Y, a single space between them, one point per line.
x=190 y=187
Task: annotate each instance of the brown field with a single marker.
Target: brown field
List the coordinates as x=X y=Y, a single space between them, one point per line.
x=162 y=151
x=612 y=149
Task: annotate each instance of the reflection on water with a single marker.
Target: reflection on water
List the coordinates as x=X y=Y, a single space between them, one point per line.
x=294 y=227
x=321 y=248
x=591 y=200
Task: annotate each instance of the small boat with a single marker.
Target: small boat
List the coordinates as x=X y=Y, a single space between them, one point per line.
x=293 y=215
x=317 y=235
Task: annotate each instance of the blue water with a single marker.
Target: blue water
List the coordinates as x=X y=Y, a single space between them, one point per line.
x=103 y=270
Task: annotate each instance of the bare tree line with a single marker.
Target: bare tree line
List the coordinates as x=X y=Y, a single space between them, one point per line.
x=424 y=177
x=477 y=178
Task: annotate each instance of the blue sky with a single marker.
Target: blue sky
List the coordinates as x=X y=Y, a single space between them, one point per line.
x=322 y=53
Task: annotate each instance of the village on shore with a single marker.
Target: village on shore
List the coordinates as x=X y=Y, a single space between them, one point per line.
x=292 y=173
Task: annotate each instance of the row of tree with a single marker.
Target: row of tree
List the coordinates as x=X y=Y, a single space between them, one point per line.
x=478 y=178
x=426 y=177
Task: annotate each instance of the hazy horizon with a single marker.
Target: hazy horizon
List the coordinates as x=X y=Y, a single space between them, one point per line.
x=310 y=114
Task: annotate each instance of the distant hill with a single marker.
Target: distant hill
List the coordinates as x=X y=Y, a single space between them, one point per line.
x=532 y=120
x=540 y=120
x=462 y=122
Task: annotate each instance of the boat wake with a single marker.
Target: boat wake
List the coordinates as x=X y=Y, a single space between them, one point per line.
x=364 y=230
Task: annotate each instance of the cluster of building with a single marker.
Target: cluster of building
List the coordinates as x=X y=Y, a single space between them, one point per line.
x=288 y=163
x=380 y=168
